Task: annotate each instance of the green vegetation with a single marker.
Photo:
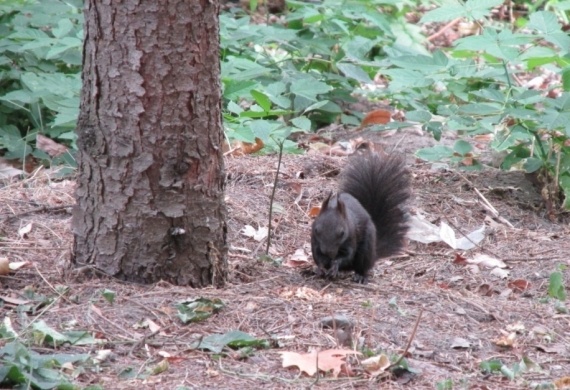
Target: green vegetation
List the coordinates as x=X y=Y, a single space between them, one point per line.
x=40 y=68
x=301 y=72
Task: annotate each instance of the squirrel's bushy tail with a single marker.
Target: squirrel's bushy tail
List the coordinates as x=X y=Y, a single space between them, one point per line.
x=382 y=186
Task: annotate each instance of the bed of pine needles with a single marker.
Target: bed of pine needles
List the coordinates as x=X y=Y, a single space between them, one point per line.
x=443 y=315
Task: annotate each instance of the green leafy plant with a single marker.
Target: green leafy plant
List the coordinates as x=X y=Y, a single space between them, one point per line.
x=495 y=366
x=233 y=339
x=20 y=366
x=297 y=76
x=198 y=309
x=474 y=88
x=40 y=64
x=556 y=287
x=446 y=384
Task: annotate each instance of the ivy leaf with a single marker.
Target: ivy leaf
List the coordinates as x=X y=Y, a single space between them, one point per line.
x=64 y=27
x=418 y=116
x=261 y=99
x=302 y=122
x=309 y=88
x=435 y=153
x=462 y=147
x=532 y=164
x=406 y=78
x=503 y=44
x=473 y=9
x=234 y=89
x=354 y=72
x=234 y=108
x=198 y=309
x=547 y=24
x=234 y=339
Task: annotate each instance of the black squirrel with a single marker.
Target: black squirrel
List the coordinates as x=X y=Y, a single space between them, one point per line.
x=365 y=220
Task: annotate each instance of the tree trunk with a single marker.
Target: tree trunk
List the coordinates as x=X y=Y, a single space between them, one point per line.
x=150 y=189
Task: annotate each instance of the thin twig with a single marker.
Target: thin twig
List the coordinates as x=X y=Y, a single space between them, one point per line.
x=444 y=29
x=42 y=209
x=140 y=342
x=412 y=336
x=269 y=230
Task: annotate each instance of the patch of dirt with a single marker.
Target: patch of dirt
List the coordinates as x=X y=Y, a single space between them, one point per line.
x=463 y=313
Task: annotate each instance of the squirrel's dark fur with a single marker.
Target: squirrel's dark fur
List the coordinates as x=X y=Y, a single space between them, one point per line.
x=365 y=220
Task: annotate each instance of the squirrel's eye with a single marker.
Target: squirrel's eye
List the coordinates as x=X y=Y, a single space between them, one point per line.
x=340 y=233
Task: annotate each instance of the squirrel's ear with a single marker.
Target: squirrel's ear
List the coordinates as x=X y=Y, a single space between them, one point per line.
x=326 y=202
x=340 y=206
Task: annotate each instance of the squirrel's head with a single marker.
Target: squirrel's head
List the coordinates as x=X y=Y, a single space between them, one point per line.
x=331 y=227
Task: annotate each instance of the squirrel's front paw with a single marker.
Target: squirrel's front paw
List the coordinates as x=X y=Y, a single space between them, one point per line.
x=361 y=279
x=333 y=271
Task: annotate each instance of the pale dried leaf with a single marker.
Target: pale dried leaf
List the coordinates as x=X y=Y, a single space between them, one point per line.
x=23 y=231
x=297 y=259
x=97 y=310
x=447 y=235
x=329 y=360
x=487 y=261
x=461 y=343
x=14 y=301
x=464 y=243
x=101 y=356
x=333 y=359
x=257 y=235
x=52 y=148
x=7 y=171
x=376 y=365
x=422 y=230
x=506 y=341
x=501 y=273
x=16 y=265
x=152 y=326
x=517 y=327
x=307 y=362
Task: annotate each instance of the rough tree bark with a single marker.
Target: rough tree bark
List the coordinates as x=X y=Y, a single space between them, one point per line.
x=150 y=188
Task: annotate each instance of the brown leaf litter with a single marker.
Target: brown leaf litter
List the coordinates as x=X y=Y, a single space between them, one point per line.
x=268 y=300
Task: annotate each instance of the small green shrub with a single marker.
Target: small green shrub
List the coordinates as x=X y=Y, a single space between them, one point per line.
x=40 y=65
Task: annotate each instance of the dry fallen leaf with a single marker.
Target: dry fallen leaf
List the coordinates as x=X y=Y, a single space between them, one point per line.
x=307 y=362
x=23 y=231
x=4 y=266
x=460 y=343
x=16 y=265
x=506 y=341
x=376 y=365
x=240 y=148
x=519 y=285
x=562 y=383
x=7 y=171
x=102 y=355
x=487 y=261
x=257 y=235
x=329 y=360
x=152 y=326
x=517 y=327
x=298 y=259
x=13 y=301
x=501 y=273
x=376 y=117
x=314 y=211
x=52 y=148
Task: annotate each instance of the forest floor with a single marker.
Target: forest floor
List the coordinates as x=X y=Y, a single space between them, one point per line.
x=465 y=314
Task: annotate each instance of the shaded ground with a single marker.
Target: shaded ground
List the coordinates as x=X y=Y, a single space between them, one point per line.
x=463 y=313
